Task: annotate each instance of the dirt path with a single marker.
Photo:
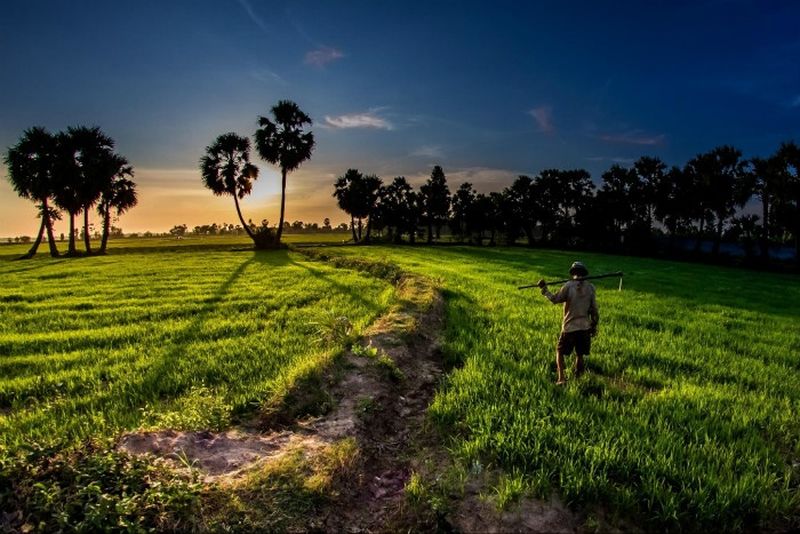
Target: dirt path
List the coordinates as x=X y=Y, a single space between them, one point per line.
x=380 y=400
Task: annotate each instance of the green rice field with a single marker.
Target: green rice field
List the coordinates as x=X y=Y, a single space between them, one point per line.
x=686 y=419
x=162 y=337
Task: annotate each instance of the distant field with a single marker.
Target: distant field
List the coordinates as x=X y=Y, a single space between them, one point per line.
x=161 y=335
x=689 y=413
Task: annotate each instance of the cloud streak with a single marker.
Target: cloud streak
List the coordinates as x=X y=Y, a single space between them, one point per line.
x=633 y=137
x=428 y=151
x=543 y=115
x=795 y=103
x=253 y=16
x=323 y=55
x=358 y=120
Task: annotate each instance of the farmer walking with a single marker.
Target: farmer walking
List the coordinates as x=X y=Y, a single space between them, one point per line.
x=580 y=318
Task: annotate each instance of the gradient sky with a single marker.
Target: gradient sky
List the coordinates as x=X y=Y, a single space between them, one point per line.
x=488 y=90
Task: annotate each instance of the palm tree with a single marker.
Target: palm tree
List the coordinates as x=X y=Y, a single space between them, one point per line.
x=226 y=170
x=93 y=149
x=119 y=194
x=30 y=170
x=283 y=142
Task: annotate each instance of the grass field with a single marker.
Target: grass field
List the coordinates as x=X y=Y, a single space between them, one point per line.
x=687 y=418
x=689 y=413
x=162 y=335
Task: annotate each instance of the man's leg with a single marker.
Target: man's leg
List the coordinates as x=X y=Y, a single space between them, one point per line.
x=560 y=367
x=583 y=346
x=579 y=365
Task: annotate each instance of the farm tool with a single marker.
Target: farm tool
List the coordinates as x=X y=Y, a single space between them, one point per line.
x=580 y=278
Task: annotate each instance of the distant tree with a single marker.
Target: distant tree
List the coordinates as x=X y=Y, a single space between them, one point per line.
x=399 y=209
x=561 y=194
x=674 y=206
x=283 y=142
x=326 y=224
x=767 y=179
x=745 y=229
x=435 y=196
x=30 y=165
x=226 y=170
x=357 y=195
x=179 y=230
x=650 y=172
x=722 y=184
x=297 y=225
x=118 y=193
x=523 y=208
x=788 y=206
x=618 y=196
x=463 y=199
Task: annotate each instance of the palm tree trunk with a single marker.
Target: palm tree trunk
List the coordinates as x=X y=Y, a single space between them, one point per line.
x=430 y=231
x=71 y=250
x=353 y=229
x=241 y=218
x=360 y=227
x=86 y=235
x=106 y=227
x=51 y=241
x=283 y=206
x=32 y=252
x=369 y=229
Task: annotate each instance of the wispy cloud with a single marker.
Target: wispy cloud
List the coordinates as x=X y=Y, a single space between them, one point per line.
x=428 y=151
x=795 y=103
x=253 y=16
x=633 y=137
x=267 y=76
x=358 y=120
x=323 y=55
x=543 y=115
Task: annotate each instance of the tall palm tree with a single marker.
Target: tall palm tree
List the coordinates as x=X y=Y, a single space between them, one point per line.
x=282 y=141
x=119 y=194
x=93 y=150
x=226 y=170
x=30 y=170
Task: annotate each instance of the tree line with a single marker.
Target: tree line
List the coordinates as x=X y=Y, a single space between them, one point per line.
x=635 y=209
x=73 y=171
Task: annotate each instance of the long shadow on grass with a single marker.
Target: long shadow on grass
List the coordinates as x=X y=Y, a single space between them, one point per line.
x=156 y=383
x=352 y=292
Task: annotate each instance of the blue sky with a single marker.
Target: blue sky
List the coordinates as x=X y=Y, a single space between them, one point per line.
x=488 y=90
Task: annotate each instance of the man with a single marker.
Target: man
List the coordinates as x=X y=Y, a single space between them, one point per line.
x=580 y=318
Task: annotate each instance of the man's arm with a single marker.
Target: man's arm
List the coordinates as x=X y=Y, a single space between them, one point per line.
x=556 y=298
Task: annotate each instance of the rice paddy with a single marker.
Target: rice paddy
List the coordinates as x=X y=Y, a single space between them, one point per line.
x=687 y=417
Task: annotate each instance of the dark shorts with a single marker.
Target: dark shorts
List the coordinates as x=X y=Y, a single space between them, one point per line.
x=580 y=341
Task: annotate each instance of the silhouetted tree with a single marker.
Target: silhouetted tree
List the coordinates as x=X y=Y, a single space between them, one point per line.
x=30 y=166
x=226 y=170
x=357 y=195
x=767 y=177
x=523 y=208
x=283 y=142
x=619 y=196
x=463 y=199
x=723 y=183
x=118 y=195
x=788 y=206
x=435 y=196
x=399 y=209
x=562 y=193
x=93 y=157
x=673 y=201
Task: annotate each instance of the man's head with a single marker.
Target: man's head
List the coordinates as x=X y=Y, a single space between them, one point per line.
x=578 y=269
